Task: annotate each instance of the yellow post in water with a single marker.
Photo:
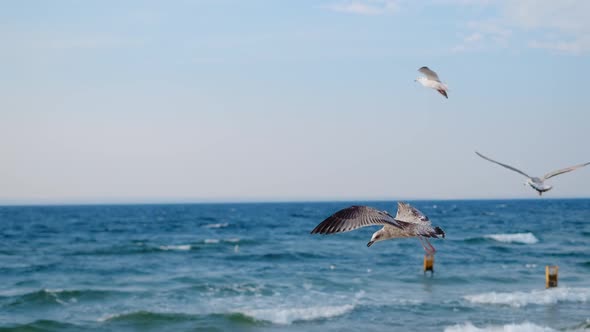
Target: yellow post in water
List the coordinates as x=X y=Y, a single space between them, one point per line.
x=551 y=273
x=429 y=263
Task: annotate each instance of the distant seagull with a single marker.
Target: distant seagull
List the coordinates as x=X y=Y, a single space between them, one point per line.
x=537 y=183
x=408 y=222
x=432 y=81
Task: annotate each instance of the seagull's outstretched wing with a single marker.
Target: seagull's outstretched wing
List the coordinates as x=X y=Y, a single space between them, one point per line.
x=504 y=165
x=409 y=214
x=430 y=74
x=564 y=170
x=352 y=218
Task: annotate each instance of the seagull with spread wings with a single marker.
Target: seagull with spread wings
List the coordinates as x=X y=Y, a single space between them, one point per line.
x=536 y=183
x=432 y=81
x=408 y=222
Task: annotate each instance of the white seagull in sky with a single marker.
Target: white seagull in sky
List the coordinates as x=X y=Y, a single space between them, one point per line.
x=432 y=81
x=537 y=183
x=408 y=222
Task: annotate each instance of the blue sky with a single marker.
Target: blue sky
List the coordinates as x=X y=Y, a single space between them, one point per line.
x=164 y=101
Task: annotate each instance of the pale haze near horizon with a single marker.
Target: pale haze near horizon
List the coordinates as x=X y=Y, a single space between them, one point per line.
x=103 y=101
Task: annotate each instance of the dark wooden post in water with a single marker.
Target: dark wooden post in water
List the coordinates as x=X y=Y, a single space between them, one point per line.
x=429 y=263
x=551 y=273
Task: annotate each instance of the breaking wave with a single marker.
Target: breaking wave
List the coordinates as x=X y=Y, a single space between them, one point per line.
x=148 y=318
x=524 y=238
x=522 y=327
x=280 y=316
x=218 y=225
x=538 y=297
x=285 y=316
x=182 y=247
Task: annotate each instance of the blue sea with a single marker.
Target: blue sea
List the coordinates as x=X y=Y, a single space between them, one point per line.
x=256 y=267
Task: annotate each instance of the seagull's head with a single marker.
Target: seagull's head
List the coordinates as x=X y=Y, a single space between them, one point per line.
x=377 y=236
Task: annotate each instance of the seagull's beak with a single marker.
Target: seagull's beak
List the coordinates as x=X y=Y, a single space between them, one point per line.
x=370 y=243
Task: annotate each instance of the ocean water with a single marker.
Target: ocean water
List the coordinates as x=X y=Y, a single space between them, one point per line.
x=255 y=267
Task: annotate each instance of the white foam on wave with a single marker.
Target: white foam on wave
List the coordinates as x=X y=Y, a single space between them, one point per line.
x=539 y=297
x=182 y=247
x=211 y=241
x=285 y=316
x=522 y=327
x=219 y=225
x=108 y=317
x=525 y=238
x=55 y=294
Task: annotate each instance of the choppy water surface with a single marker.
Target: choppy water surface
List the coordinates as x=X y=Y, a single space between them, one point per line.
x=255 y=267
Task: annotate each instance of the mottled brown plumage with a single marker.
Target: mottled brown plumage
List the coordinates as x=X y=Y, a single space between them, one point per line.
x=408 y=222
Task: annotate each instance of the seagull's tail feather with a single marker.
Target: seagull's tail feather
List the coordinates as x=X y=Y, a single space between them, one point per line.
x=436 y=233
x=428 y=231
x=439 y=232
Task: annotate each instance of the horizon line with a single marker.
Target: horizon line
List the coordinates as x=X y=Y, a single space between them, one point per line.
x=262 y=201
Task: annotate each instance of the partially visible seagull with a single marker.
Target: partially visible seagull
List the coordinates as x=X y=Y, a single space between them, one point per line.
x=537 y=183
x=408 y=222
x=432 y=81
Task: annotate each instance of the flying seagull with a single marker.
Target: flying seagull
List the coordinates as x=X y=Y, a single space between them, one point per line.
x=432 y=81
x=408 y=222
x=537 y=183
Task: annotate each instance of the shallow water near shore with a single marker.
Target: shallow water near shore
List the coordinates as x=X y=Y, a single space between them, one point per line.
x=255 y=267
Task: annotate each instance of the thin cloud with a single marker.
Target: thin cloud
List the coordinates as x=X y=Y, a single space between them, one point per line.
x=464 y=2
x=484 y=35
x=367 y=7
x=564 y=15
x=575 y=47
x=473 y=38
x=565 y=23
x=560 y=26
